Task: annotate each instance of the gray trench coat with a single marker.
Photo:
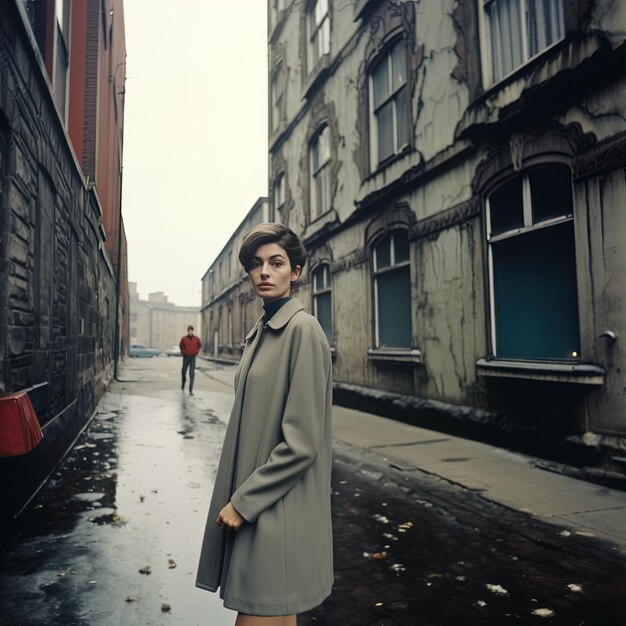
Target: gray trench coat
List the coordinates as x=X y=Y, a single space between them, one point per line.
x=275 y=467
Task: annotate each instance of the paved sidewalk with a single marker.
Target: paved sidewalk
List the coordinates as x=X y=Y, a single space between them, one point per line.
x=502 y=476
x=508 y=478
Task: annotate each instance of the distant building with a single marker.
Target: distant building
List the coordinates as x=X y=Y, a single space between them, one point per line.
x=456 y=170
x=229 y=306
x=158 y=323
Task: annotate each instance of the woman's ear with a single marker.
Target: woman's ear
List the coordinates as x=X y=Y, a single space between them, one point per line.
x=295 y=274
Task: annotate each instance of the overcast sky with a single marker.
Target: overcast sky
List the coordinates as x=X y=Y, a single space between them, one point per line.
x=195 y=135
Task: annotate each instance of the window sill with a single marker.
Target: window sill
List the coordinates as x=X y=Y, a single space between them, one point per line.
x=320 y=224
x=529 y=83
x=500 y=83
x=387 y=161
x=578 y=373
x=361 y=6
x=397 y=355
x=277 y=133
x=317 y=76
x=280 y=20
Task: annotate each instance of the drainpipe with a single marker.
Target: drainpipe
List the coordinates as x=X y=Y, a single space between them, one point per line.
x=116 y=345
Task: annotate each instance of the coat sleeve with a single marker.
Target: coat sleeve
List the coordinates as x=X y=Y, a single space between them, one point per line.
x=303 y=425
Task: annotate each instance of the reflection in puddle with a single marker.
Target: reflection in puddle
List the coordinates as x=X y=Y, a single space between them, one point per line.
x=89 y=496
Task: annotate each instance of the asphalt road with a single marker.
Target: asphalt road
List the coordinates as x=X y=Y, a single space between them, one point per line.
x=115 y=535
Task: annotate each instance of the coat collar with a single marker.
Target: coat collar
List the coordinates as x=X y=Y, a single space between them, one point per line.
x=280 y=318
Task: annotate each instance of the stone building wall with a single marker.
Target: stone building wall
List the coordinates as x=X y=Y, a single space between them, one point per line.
x=229 y=305
x=471 y=132
x=57 y=294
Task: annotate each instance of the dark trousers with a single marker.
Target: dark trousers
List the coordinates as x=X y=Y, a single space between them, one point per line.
x=189 y=362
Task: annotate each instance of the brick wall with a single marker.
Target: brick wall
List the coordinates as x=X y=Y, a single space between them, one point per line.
x=57 y=293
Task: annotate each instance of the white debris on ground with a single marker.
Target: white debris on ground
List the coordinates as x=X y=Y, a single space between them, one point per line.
x=543 y=612
x=497 y=589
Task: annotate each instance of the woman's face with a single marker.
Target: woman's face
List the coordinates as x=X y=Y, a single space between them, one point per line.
x=270 y=272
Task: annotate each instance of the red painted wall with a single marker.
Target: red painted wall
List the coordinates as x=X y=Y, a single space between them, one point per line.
x=78 y=65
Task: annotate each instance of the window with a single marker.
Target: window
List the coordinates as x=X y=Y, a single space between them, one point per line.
x=519 y=29
x=278 y=95
x=230 y=326
x=278 y=197
x=319 y=163
x=61 y=56
x=318 y=26
x=279 y=7
x=242 y=317
x=533 y=266
x=389 y=105
x=392 y=291
x=322 y=300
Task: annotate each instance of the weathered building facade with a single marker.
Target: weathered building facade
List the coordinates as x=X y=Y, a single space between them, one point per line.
x=229 y=306
x=456 y=169
x=157 y=323
x=58 y=291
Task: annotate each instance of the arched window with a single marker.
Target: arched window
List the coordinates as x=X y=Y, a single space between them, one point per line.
x=319 y=167
x=392 y=291
x=322 y=300
x=532 y=263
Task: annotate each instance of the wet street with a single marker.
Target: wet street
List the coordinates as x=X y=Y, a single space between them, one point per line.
x=115 y=535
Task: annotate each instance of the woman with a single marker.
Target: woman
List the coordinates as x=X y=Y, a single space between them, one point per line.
x=268 y=538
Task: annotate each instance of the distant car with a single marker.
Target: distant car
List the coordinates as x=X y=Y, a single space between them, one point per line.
x=174 y=351
x=138 y=350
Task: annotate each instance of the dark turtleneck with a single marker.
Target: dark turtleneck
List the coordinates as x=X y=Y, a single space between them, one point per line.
x=272 y=307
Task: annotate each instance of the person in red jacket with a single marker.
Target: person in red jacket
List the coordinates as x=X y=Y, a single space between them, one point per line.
x=190 y=347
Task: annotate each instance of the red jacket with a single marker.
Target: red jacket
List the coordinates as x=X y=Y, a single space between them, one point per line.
x=190 y=346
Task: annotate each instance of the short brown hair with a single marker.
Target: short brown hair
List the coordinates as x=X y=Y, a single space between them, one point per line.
x=265 y=233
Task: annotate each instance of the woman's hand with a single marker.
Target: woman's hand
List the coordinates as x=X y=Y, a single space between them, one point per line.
x=229 y=517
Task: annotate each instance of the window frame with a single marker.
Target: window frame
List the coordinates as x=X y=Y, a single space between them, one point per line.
x=280 y=185
x=277 y=96
x=486 y=45
x=385 y=56
x=61 y=46
x=277 y=12
x=529 y=227
x=231 y=329
x=313 y=29
x=376 y=272
x=242 y=321
x=327 y=289
x=316 y=210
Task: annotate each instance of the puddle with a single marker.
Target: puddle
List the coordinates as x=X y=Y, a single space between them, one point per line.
x=88 y=497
